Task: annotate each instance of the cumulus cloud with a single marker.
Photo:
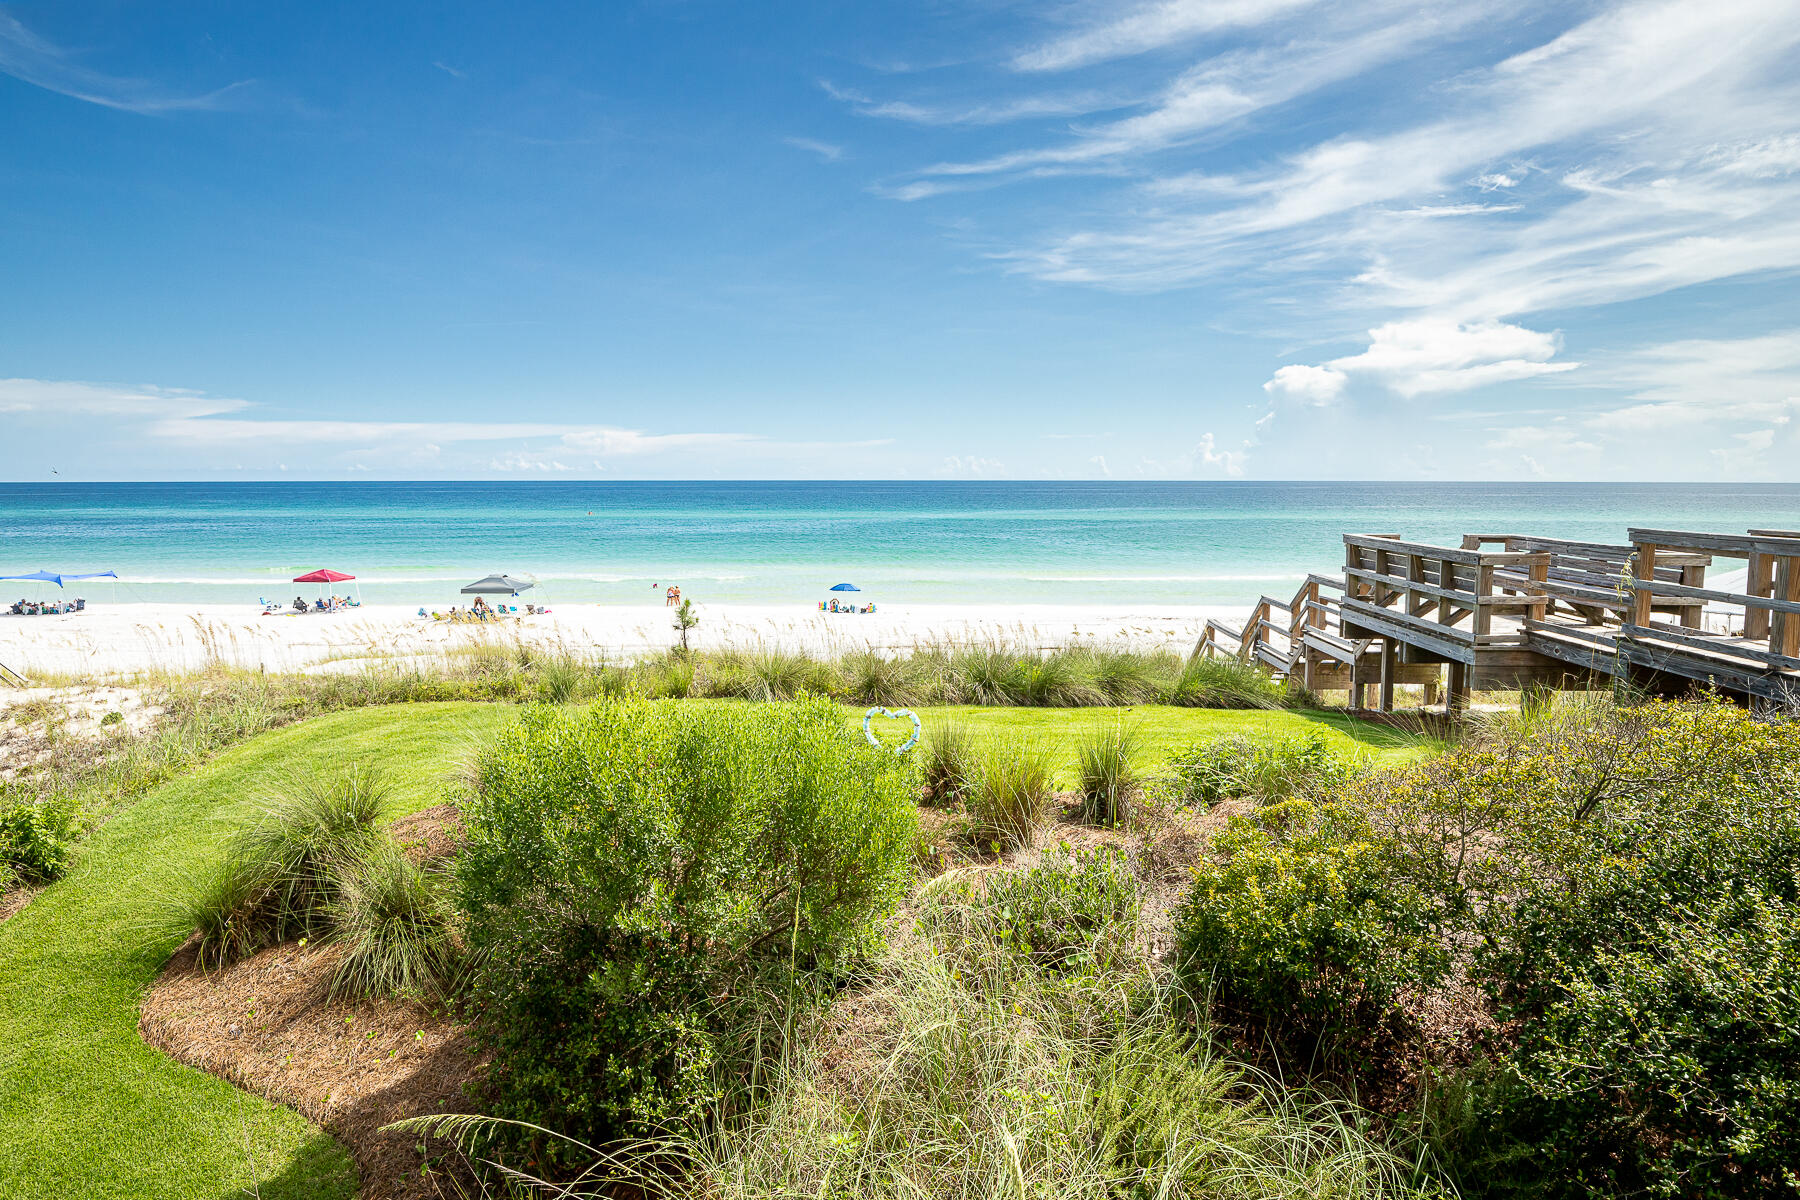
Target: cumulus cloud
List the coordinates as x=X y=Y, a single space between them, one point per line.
x=1428 y=356
x=1307 y=385
x=970 y=466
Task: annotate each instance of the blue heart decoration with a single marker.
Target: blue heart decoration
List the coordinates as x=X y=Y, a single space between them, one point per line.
x=879 y=711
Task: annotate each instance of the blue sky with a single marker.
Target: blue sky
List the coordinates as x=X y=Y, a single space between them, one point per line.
x=1240 y=238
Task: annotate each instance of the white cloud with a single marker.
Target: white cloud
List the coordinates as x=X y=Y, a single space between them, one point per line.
x=1308 y=385
x=1647 y=146
x=1434 y=355
x=526 y=463
x=1151 y=26
x=970 y=466
x=25 y=55
x=196 y=421
x=1207 y=454
x=1223 y=89
x=827 y=151
x=1427 y=356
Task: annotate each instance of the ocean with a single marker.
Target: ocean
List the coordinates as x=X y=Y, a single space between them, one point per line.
x=990 y=543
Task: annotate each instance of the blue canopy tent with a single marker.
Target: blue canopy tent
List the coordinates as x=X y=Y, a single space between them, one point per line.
x=846 y=587
x=60 y=579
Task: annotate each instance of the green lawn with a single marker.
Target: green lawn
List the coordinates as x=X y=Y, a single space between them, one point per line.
x=1161 y=729
x=87 y=1110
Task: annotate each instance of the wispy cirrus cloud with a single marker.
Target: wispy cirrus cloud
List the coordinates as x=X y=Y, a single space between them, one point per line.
x=1147 y=27
x=827 y=151
x=197 y=422
x=34 y=59
x=1660 y=129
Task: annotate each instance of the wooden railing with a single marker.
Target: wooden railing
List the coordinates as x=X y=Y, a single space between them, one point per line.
x=1762 y=622
x=1591 y=580
x=1440 y=597
x=1272 y=636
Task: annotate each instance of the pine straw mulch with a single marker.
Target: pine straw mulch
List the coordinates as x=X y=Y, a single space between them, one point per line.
x=264 y=1024
x=15 y=898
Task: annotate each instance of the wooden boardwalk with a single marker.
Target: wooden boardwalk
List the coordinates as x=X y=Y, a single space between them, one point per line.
x=1511 y=611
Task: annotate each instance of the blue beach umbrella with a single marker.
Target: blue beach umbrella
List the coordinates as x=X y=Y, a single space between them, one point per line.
x=846 y=587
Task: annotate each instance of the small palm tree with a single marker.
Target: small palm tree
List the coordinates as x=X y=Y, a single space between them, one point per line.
x=685 y=620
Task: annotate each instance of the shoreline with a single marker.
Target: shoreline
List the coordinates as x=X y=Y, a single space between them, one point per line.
x=126 y=639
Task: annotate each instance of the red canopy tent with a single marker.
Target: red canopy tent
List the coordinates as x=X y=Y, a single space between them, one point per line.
x=323 y=576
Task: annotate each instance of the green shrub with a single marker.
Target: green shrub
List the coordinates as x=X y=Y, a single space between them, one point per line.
x=626 y=867
x=1107 y=775
x=395 y=926
x=37 y=839
x=1639 y=929
x=948 y=764
x=1072 y=911
x=1011 y=796
x=1224 y=683
x=1267 y=770
x=1309 y=928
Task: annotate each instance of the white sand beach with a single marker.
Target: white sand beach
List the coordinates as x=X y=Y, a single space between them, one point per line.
x=115 y=640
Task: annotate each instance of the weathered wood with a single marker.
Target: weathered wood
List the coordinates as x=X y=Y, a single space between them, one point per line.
x=1779 y=603
x=1724 y=647
x=1387 y=675
x=1784 y=625
x=1728 y=544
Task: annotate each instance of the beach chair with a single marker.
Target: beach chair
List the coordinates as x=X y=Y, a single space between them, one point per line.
x=80 y=605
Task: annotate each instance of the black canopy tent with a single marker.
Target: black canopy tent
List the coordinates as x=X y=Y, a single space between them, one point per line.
x=497 y=585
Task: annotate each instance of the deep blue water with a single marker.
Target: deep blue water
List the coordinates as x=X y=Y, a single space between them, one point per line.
x=1195 y=543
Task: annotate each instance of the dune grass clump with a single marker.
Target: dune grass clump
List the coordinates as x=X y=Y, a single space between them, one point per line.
x=1108 y=776
x=311 y=864
x=948 y=764
x=1224 y=683
x=1125 y=676
x=870 y=677
x=969 y=1082
x=1059 y=679
x=1011 y=796
x=395 y=922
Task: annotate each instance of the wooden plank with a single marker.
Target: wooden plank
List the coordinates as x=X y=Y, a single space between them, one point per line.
x=1387 y=675
x=1366 y=542
x=1713 y=645
x=1644 y=568
x=1457 y=689
x=1731 y=545
x=1466 y=600
x=1779 y=603
x=1387 y=623
x=1784 y=626
x=1759 y=580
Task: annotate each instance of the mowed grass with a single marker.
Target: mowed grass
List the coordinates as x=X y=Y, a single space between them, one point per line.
x=86 y=1109
x=1161 y=730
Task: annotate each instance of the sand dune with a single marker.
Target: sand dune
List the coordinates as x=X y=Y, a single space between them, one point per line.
x=129 y=638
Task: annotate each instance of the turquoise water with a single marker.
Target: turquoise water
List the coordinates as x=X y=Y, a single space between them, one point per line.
x=1184 y=543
